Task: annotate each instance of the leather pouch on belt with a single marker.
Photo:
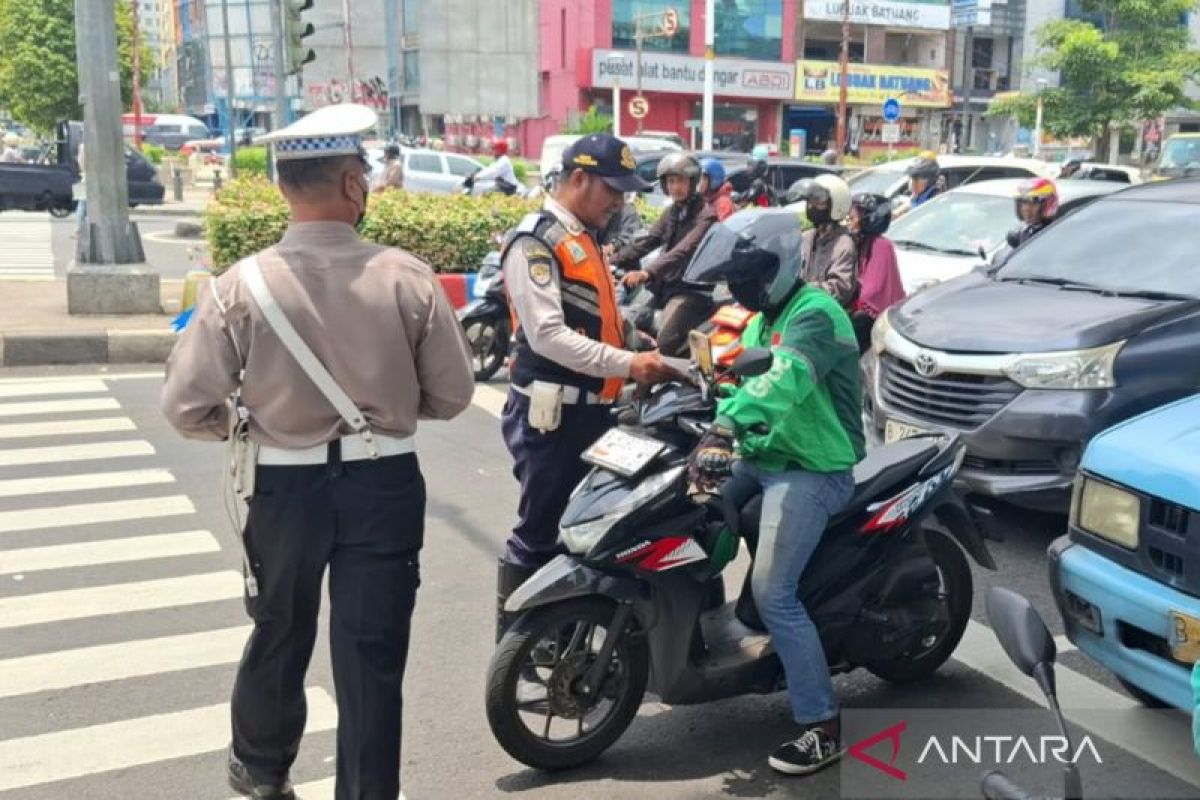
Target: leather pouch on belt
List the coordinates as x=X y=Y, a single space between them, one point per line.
x=545 y=406
x=243 y=460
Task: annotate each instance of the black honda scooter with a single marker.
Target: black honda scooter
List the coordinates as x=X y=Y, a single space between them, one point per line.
x=638 y=600
x=486 y=321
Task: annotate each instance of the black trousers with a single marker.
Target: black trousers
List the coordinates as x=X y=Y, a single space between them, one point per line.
x=365 y=521
x=548 y=467
x=681 y=313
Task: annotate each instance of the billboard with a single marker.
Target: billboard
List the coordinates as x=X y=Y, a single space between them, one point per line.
x=868 y=84
x=930 y=14
x=679 y=74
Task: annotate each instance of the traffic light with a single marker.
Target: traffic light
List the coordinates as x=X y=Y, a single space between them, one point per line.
x=295 y=30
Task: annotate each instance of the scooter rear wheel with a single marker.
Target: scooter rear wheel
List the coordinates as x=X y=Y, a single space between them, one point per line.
x=488 y=340
x=534 y=704
x=957 y=588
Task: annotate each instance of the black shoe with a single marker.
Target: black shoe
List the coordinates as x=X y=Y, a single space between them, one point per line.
x=814 y=750
x=243 y=783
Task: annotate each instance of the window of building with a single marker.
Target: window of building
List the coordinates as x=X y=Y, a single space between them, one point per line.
x=750 y=28
x=625 y=12
x=832 y=51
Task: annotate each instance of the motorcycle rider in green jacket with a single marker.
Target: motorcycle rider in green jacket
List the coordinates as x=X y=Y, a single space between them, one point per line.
x=797 y=430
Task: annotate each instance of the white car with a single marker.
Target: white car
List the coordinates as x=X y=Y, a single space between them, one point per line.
x=428 y=170
x=553 y=147
x=891 y=180
x=963 y=228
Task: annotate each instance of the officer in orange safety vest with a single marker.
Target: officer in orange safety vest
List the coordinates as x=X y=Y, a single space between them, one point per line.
x=571 y=358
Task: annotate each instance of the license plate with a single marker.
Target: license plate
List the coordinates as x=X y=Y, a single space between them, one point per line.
x=1185 y=637
x=894 y=431
x=623 y=452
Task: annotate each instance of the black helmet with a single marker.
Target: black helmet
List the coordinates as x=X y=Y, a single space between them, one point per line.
x=756 y=252
x=391 y=151
x=680 y=164
x=876 y=213
x=757 y=167
x=924 y=167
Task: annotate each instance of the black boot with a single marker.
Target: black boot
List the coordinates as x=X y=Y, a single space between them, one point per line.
x=509 y=576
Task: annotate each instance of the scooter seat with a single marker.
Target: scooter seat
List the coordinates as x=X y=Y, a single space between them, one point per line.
x=883 y=469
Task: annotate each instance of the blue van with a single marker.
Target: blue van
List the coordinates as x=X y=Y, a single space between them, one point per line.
x=1126 y=576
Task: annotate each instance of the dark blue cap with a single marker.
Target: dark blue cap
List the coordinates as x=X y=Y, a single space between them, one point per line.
x=610 y=158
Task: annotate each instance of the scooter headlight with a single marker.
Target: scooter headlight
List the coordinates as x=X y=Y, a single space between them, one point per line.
x=580 y=539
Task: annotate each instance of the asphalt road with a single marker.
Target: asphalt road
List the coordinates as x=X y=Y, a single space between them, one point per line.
x=121 y=623
x=171 y=256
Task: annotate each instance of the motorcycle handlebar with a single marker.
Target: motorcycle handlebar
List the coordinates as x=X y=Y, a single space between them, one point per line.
x=997 y=786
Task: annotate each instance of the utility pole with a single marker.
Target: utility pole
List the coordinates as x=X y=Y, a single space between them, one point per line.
x=281 y=99
x=229 y=85
x=349 y=53
x=710 y=62
x=137 y=75
x=391 y=25
x=964 y=136
x=95 y=282
x=843 y=82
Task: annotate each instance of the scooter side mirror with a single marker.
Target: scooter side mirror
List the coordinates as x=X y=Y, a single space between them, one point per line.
x=1023 y=635
x=752 y=362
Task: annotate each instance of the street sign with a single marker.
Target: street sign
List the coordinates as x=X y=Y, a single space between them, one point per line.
x=967 y=13
x=891 y=109
x=693 y=123
x=891 y=133
x=639 y=107
x=670 y=22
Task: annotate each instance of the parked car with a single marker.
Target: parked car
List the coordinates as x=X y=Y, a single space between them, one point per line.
x=1089 y=323
x=435 y=172
x=958 y=230
x=1124 y=576
x=1180 y=157
x=171 y=131
x=891 y=181
x=145 y=189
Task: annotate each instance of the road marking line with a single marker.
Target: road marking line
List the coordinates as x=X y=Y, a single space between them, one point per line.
x=489 y=399
x=107 y=551
x=316 y=790
x=111 y=662
x=1063 y=644
x=22 y=487
x=33 y=760
x=117 y=376
x=119 y=598
x=66 y=427
x=80 y=386
x=1159 y=739
x=58 y=407
x=97 y=451
x=91 y=513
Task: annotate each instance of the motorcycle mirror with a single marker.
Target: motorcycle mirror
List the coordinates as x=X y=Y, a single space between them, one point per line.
x=1023 y=635
x=752 y=362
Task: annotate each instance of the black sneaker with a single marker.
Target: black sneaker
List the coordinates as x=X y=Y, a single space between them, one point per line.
x=814 y=750
x=244 y=784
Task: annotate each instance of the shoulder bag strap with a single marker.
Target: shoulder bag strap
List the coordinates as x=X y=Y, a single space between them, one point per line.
x=308 y=362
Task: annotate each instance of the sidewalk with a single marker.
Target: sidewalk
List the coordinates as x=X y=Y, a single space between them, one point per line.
x=194 y=201
x=35 y=329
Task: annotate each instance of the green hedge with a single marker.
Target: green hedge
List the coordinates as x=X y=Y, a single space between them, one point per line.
x=250 y=160
x=451 y=232
x=154 y=153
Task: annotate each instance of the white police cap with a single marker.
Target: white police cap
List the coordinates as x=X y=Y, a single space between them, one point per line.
x=329 y=131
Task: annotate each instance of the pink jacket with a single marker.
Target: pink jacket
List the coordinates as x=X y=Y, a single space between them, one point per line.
x=878 y=276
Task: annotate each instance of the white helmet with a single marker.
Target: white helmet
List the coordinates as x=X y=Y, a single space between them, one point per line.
x=824 y=186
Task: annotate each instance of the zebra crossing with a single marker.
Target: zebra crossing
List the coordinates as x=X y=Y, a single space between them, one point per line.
x=26 y=253
x=96 y=534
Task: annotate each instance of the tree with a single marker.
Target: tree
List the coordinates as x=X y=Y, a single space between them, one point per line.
x=39 y=82
x=591 y=122
x=1135 y=68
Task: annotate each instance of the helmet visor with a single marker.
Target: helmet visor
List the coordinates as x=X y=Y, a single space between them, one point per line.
x=743 y=246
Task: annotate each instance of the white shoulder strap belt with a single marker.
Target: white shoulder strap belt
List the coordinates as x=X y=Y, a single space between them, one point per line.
x=308 y=362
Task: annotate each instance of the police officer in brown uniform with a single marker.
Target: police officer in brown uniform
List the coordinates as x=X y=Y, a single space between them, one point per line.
x=570 y=360
x=326 y=494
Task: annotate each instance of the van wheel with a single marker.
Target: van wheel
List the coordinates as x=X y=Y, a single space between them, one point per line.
x=1141 y=695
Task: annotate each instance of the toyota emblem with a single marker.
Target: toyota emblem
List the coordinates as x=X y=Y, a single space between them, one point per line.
x=926 y=365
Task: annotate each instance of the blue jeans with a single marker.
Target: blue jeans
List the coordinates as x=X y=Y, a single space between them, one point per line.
x=796 y=508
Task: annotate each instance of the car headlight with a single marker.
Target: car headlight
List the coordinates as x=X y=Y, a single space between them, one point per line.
x=1070 y=369
x=879 y=332
x=1107 y=511
x=581 y=538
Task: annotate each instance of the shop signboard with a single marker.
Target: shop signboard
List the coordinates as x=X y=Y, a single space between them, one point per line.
x=868 y=84
x=928 y=14
x=678 y=74
x=890 y=133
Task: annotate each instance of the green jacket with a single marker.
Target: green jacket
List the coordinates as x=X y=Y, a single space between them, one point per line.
x=811 y=399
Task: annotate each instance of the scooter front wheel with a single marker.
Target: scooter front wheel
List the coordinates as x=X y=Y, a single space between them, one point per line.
x=537 y=705
x=488 y=340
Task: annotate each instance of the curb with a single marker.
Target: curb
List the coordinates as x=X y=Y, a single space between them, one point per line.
x=165 y=211
x=85 y=347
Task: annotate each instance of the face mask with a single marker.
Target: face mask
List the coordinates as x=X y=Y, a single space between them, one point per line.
x=748 y=294
x=818 y=216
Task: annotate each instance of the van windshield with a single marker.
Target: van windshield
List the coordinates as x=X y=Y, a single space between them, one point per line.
x=1123 y=247
x=1181 y=153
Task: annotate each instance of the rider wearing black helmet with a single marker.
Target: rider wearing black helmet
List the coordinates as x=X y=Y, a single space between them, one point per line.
x=798 y=430
x=923 y=175
x=879 y=280
x=759 y=192
x=678 y=232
